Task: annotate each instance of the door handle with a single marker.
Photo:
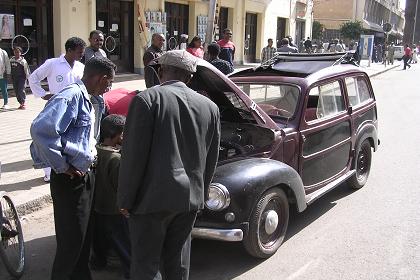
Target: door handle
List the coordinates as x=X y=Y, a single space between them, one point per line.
x=303 y=138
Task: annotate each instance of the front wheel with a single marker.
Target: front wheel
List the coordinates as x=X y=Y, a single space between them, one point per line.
x=362 y=165
x=268 y=224
x=12 y=249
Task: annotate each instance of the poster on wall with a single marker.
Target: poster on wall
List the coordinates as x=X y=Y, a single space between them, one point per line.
x=7 y=26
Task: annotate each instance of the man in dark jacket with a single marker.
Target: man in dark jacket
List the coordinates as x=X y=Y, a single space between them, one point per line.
x=169 y=155
x=153 y=52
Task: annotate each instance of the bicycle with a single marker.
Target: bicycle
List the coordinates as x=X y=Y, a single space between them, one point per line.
x=12 y=248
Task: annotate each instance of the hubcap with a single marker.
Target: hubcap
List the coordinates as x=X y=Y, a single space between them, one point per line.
x=271 y=221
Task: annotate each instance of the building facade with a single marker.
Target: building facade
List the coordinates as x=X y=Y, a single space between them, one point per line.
x=43 y=26
x=372 y=13
x=412 y=26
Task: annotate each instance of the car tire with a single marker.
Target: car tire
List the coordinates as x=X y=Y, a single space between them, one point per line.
x=362 y=165
x=268 y=224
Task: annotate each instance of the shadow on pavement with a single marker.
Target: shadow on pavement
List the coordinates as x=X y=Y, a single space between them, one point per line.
x=17 y=166
x=39 y=255
x=210 y=260
x=24 y=185
x=298 y=221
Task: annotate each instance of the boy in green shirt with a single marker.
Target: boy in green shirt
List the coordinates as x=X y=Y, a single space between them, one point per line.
x=110 y=227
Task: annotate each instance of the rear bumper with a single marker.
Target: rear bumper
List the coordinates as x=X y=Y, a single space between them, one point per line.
x=231 y=235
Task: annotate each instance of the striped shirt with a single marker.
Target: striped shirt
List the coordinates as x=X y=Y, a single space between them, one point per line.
x=267 y=53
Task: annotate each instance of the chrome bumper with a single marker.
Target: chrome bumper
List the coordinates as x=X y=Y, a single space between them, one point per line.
x=218 y=234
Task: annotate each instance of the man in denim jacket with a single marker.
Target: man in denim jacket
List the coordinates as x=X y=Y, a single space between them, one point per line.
x=62 y=137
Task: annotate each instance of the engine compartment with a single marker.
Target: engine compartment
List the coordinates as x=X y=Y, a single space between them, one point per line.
x=238 y=139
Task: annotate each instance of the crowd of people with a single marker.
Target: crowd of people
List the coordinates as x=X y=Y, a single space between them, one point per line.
x=220 y=54
x=126 y=179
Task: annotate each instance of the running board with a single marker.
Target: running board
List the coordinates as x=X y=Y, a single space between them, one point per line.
x=317 y=194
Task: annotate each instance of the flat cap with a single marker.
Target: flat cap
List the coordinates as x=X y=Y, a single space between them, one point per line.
x=180 y=59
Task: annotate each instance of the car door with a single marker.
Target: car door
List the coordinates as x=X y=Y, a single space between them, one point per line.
x=325 y=145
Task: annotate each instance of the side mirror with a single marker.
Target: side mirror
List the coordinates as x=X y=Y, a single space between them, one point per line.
x=350 y=110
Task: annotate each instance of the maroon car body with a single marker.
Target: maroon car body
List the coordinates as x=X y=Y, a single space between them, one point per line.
x=292 y=130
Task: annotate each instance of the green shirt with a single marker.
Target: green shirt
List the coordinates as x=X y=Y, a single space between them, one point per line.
x=106 y=180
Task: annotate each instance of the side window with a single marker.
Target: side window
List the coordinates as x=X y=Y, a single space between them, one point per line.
x=357 y=90
x=275 y=100
x=324 y=101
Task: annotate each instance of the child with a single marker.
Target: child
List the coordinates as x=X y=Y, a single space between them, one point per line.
x=110 y=227
x=20 y=73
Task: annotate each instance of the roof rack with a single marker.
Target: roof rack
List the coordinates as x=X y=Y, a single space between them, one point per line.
x=337 y=58
x=302 y=65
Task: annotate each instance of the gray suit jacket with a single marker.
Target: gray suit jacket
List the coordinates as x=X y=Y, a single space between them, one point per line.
x=170 y=150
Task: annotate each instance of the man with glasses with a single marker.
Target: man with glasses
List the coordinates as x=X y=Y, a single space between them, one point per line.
x=227 y=47
x=96 y=40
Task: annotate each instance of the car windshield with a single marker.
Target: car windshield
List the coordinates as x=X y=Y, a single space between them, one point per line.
x=277 y=100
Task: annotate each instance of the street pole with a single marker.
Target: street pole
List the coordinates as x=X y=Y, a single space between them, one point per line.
x=210 y=23
x=415 y=20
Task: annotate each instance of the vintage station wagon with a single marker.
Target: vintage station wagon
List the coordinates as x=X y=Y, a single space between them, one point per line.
x=292 y=130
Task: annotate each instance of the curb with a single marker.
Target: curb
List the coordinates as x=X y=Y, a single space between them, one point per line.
x=40 y=202
x=33 y=205
x=384 y=70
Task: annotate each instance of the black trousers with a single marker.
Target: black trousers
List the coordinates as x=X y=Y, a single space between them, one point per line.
x=111 y=232
x=72 y=202
x=405 y=59
x=19 y=88
x=161 y=242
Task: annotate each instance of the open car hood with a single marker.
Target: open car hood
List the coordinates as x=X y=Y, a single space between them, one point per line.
x=212 y=83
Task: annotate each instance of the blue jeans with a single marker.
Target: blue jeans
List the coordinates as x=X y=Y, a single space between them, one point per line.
x=3 y=88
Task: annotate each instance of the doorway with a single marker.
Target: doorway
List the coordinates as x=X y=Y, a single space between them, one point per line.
x=115 y=20
x=31 y=22
x=281 y=30
x=223 y=21
x=250 y=40
x=300 y=32
x=176 y=23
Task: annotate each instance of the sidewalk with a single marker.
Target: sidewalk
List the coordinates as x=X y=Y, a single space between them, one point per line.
x=23 y=183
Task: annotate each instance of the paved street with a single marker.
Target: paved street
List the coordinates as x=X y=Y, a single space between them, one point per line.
x=372 y=233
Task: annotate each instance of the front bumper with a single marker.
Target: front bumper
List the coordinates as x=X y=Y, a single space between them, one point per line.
x=218 y=234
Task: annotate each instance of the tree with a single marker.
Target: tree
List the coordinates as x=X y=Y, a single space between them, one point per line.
x=351 y=30
x=317 y=28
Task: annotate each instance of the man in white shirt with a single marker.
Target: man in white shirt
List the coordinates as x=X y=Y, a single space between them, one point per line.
x=60 y=72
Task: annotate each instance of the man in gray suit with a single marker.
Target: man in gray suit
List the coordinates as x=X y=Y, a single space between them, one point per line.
x=169 y=155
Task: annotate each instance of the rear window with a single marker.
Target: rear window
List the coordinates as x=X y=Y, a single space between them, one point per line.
x=357 y=90
x=276 y=100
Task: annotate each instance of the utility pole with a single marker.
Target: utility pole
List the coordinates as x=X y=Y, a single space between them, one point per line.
x=415 y=21
x=211 y=21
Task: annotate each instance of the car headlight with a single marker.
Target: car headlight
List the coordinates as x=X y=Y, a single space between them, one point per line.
x=218 y=197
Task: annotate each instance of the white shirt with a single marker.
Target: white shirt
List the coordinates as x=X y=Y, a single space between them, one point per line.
x=4 y=63
x=59 y=74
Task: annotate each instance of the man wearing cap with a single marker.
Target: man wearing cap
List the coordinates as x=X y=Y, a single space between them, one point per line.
x=169 y=155
x=227 y=47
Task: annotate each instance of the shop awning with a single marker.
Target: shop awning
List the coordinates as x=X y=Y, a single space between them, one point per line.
x=372 y=26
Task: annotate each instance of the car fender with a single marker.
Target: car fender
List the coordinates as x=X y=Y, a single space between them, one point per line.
x=367 y=130
x=248 y=178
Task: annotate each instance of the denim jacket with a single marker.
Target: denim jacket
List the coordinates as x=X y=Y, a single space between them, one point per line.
x=61 y=132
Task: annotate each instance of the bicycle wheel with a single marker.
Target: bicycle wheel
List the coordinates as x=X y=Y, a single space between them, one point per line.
x=12 y=248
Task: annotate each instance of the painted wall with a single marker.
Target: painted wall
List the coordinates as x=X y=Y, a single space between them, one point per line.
x=72 y=18
x=333 y=13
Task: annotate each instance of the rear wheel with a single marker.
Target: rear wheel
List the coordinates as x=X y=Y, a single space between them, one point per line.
x=268 y=224
x=12 y=249
x=362 y=166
